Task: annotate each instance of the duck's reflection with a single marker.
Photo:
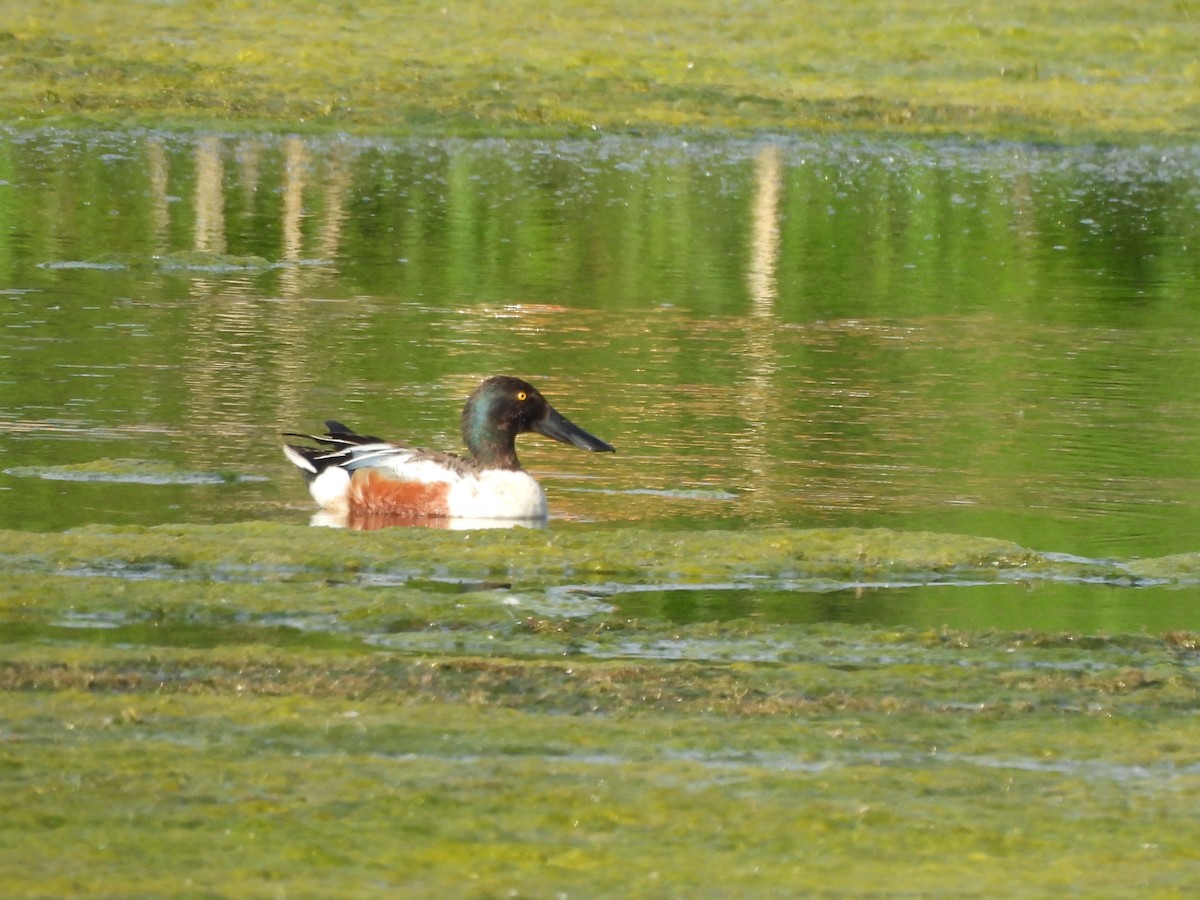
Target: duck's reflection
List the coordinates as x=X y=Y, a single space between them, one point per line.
x=374 y=522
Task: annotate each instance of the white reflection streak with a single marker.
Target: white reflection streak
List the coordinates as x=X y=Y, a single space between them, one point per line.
x=295 y=172
x=160 y=217
x=210 y=197
x=759 y=348
x=764 y=240
x=202 y=355
x=336 y=182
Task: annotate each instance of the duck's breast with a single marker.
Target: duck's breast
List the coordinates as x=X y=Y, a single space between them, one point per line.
x=497 y=494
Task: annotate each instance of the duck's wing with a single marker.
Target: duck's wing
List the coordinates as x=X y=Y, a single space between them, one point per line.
x=338 y=435
x=349 y=450
x=336 y=431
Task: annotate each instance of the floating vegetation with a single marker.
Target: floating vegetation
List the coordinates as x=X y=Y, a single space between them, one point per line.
x=180 y=261
x=128 y=471
x=597 y=560
x=483 y=706
x=573 y=555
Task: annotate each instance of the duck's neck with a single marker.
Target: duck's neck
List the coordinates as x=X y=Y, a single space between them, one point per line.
x=495 y=452
x=491 y=447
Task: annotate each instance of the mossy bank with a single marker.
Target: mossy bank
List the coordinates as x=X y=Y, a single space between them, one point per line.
x=998 y=70
x=257 y=710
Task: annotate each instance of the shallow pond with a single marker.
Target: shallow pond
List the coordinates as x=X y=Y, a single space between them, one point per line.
x=986 y=339
x=894 y=572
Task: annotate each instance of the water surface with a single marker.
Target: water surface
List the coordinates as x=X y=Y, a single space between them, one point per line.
x=986 y=339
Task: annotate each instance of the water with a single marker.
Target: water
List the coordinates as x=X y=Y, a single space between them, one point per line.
x=989 y=339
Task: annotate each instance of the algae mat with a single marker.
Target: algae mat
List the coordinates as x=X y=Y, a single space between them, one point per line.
x=269 y=710
x=1015 y=70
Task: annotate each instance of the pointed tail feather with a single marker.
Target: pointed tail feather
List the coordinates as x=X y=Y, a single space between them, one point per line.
x=303 y=458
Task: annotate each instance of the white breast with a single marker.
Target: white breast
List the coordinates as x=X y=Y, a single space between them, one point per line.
x=496 y=494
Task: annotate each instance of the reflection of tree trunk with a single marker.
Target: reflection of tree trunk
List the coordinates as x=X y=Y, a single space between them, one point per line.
x=758 y=351
x=224 y=322
x=203 y=359
x=290 y=321
x=230 y=396
x=338 y=184
x=295 y=172
x=160 y=216
x=297 y=159
x=210 y=197
x=764 y=240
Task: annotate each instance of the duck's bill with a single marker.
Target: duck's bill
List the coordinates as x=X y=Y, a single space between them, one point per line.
x=556 y=425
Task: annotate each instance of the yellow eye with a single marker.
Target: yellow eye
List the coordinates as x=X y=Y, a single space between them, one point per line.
x=520 y=395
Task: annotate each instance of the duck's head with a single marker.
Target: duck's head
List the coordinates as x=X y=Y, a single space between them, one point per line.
x=502 y=408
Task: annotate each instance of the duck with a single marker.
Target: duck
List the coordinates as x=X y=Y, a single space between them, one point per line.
x=357 y=476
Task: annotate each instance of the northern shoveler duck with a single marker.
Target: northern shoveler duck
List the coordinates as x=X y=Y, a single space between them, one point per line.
x=360 y=476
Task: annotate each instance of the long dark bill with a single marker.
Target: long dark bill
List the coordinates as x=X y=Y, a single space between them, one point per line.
x=555 y=425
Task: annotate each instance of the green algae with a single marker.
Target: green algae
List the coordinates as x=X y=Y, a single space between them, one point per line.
x=252 y=793
x=562 y=555
x=1178 y=567
x=128 y=471
x=254 y=710
x=179 y=261
x=989 y=69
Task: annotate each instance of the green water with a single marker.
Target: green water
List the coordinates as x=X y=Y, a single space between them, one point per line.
x=985 y=339
x=891 y=586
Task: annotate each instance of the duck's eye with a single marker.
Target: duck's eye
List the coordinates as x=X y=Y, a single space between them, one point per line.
x=521 y=395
